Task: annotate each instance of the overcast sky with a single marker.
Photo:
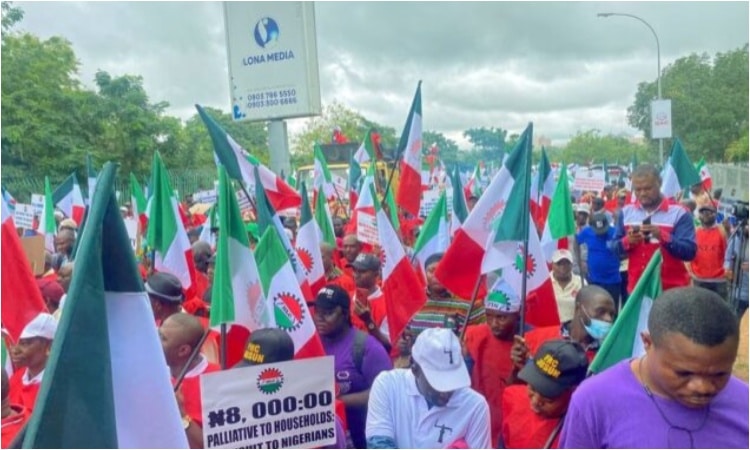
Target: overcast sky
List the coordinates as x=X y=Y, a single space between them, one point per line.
x=482 y=64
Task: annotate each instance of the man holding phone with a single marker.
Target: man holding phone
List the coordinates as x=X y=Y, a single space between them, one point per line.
x=653 y=223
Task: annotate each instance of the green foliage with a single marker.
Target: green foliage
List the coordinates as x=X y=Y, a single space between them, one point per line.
x=738 y=150
x=10 y=16
x=489 y=143
x=198 y=150
x=320 y=129
x=709 y=102
x=592 y=146
x=448 y=152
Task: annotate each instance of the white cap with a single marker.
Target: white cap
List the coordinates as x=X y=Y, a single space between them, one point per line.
x=583 y=207
x=43 y=325
x=502 y=298
x=438 y=353
x=561 y=254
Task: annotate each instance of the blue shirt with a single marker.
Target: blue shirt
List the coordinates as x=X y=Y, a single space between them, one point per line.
x=604 y=265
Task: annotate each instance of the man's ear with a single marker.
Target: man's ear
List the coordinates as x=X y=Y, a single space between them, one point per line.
x=647 y=341
x=414 y=367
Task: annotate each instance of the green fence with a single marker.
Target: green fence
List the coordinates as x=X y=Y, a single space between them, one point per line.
x=184 y=181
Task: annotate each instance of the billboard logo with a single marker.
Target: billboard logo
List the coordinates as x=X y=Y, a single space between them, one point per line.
x=266 y=32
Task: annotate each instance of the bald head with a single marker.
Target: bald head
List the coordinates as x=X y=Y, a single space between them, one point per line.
x=187 y=327
x=326 y=252
x=351 y=247
x=201 y=255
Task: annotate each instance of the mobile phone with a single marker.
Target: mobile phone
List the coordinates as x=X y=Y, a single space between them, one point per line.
x=647 y=221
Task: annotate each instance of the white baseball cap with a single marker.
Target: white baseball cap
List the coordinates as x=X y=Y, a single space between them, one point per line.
x=44 y=325
x=561 y=254
x=438 y=353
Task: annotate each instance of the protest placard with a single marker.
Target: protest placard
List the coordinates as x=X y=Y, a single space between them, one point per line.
x=367 y=230
x=278 y=405
x=33 y=246
x=23 y=216
x=589 y=180
x=37 y=201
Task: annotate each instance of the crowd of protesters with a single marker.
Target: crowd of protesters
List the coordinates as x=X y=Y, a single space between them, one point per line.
x=469 y=374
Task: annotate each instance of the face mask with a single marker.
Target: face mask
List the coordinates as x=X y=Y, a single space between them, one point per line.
x=598 y=328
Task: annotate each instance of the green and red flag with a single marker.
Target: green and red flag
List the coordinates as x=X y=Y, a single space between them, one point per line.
x=409 y=192
x=240 y=165
x=280 y=286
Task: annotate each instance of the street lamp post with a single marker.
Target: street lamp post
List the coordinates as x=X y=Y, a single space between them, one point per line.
x=658 y=68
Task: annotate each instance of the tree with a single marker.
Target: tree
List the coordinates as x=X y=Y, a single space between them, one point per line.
x=320 y=129
x=488 y=142
x=709 y=102
x=448 y=149
x=199 y=151
x=592 y=146
x=45 y=113
x=10 y=16
x=737 y=151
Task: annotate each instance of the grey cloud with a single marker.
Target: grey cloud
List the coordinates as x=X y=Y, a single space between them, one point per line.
x=483 y=64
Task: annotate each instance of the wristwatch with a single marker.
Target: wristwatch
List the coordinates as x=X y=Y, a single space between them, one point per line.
x=186 y=420
x=371 y=326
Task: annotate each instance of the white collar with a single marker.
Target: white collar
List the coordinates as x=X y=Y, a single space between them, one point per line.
x=36 y=380
x=375 y=294
x=199 y=369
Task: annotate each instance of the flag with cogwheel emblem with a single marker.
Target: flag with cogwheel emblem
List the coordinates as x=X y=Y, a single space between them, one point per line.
x=280 y=284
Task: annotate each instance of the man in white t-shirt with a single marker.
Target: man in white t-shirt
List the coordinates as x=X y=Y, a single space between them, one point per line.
x=431 y=404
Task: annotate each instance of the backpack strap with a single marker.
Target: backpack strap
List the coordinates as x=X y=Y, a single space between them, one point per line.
x=358 y=350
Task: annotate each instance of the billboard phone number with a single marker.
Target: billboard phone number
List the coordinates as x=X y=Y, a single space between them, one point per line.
x=267 y=99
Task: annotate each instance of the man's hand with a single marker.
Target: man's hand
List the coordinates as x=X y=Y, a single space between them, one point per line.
x=653 y=230
x=634 y=237
x=519 y=352
x=362 y=310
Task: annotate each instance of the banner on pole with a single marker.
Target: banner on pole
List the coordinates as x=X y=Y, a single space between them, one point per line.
x=661 y=119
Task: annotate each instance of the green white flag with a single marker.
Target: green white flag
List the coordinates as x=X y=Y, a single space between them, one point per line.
x=433 y=237
x=236 y=291
x=106 y=384
x=679 y=172
x=624 y=339
x=280 y=286
x=560 y=220
x=47 y=224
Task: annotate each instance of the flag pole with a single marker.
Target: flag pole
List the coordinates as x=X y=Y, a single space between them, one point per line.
x=526 y=225
x=341 y=202
x=193 y=355
x=223 y=347
x=471 y=306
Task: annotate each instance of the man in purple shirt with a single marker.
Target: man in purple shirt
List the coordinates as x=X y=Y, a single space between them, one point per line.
x=680 y=394
x=358 y=356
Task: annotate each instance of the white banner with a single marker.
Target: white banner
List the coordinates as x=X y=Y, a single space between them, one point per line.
x=367 y=230
x=37 y=201
x=589 y=180
x=23 y=216
x=661 y=119
x=208 y=196
x=273 y=59
x=281 y=405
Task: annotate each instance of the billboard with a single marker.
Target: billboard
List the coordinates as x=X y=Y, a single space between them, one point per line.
x=273 y=60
